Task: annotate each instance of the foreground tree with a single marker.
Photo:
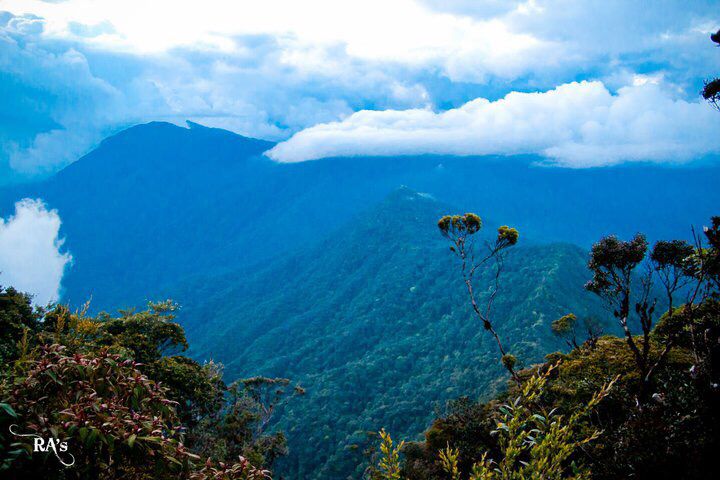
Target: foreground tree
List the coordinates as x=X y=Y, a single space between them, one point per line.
x=18 y=317
x=460 y=230
x=667 y=303
x=625 y=278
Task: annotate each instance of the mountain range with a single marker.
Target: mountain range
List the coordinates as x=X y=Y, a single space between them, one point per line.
x=333 y=273
x=158 y=202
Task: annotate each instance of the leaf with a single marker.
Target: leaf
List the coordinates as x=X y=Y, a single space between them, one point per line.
x=8 y=409
x=92 y=436
x=52 y=375
x=131 y=440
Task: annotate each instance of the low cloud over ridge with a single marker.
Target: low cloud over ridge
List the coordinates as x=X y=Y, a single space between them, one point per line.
x=575 y=125
x=30 y=251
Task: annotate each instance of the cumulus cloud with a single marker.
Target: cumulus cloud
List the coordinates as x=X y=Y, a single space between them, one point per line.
x=31 y=259
x=576 y=125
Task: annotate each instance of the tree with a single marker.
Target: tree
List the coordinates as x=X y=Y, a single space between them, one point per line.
x=566 y=328
x=711 y=91
x=17 y=317
x=460 y=230
x=240 y=427
x=625 y=277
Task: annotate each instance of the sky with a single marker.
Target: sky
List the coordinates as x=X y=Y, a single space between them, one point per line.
x=580 y=84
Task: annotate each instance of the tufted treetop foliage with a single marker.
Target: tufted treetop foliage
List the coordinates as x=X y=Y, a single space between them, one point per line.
x=673 y=253
x=507 y=236
x=612 y=259
x=564 y=324
x=458 y=225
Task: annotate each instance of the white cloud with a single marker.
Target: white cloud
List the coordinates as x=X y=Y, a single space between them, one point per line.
x=576 y=125
x=402 y=31
x=30 y=251
x=53 y=149
x=468 y=40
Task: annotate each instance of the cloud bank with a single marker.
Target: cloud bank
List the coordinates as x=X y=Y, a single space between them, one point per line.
x=30 y=251
x=579 y=124
x=75 y=71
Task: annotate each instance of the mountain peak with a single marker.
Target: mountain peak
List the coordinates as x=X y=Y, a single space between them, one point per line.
x=406 y=194
x=163 y=146
x=159 y=131
x=404 y=214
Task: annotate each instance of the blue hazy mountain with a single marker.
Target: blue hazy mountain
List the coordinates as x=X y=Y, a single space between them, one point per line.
x=158 y=202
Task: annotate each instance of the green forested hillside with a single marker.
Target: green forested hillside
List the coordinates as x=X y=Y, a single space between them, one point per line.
x=374 y=323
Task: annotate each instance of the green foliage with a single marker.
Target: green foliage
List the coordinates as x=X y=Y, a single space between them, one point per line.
x=148 y=335
x=564 y=325
x=534 y=441
x=566 y=328
x=454 y=226
x=710 y=258
x=672 y=436
x=198 y=389
x=673 y=253
x=388 y=466
x=11 y=451
x=449 y=459
x=508 y=360
x=240 y=427
x=537 y=443
x=612 y=261
x=17 y=316
x=107 y=387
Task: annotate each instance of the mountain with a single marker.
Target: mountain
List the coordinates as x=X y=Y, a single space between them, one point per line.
x=373 y=321
x=157 y=203
x=327 y=273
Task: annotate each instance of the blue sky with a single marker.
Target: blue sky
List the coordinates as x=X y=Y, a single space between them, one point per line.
x=578 y=83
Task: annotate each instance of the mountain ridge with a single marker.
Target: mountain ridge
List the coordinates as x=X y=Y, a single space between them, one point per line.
x=379 y=296
x=159 y=202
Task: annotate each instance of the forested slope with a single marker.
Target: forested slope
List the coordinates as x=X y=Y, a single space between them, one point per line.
x=374 y=323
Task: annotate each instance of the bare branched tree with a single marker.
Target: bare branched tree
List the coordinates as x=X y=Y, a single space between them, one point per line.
x=460 y=230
